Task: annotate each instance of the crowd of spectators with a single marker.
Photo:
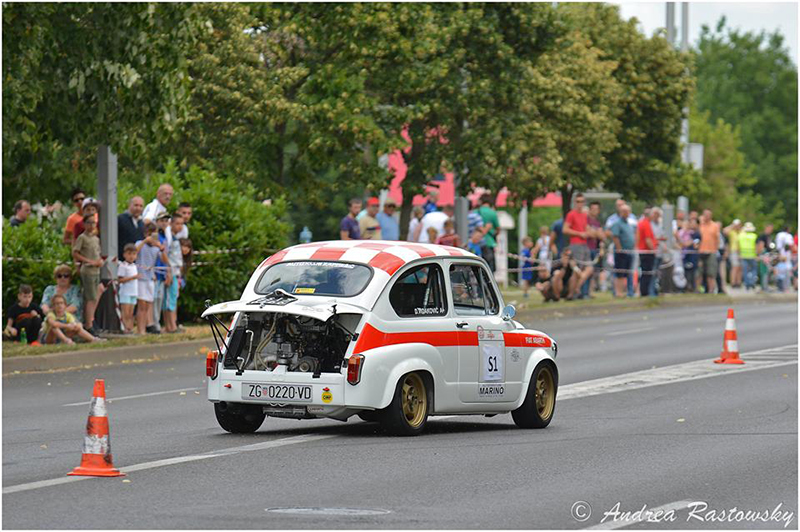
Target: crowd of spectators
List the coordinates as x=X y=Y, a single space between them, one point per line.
x=585 y=252
x=153 y=255
x=694 y=255
x=429 y=224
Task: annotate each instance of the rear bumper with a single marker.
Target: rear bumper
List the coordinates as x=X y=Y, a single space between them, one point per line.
x=326 y=391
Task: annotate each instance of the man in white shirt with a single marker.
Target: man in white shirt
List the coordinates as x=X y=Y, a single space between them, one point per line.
x=159 y=204
x=435 y=219
x=784 y=238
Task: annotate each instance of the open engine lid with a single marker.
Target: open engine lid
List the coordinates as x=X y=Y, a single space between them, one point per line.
x=319 y=308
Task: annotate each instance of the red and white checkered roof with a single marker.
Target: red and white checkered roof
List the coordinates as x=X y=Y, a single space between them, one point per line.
x=385 y=255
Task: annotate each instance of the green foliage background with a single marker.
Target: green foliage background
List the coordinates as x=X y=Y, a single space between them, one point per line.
x=31 y=240
x=747 y=80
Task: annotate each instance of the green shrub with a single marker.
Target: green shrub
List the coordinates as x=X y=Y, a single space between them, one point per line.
x=226 y=215
x=31 y=240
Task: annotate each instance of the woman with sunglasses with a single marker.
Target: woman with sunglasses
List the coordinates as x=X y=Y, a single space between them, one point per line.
x=78 y=195
x=63 y=287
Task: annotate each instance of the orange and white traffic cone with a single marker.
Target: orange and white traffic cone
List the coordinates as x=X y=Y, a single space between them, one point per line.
x=96 y=459
x=730 y=344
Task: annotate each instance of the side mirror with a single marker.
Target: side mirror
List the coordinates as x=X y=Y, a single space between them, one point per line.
x=508 y=312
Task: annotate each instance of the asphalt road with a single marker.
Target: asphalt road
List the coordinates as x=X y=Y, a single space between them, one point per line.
x=728 y=441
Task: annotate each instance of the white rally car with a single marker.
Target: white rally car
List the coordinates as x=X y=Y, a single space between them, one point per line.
x=393 y=332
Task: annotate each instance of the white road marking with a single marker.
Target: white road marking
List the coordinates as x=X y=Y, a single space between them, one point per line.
x=630 y=331
x=613 y=525
x=177 y=460
x=137 y=396
x=699 y=369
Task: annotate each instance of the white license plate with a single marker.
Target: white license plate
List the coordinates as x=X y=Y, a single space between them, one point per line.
x=277 y=393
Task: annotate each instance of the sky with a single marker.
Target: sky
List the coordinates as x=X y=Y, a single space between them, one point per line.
x=747 y=16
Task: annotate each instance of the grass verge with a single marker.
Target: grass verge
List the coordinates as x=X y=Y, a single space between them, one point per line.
x=192 y=332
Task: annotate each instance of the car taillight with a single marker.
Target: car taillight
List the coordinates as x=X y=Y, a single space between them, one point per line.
x=211 y=364
x=354 y=365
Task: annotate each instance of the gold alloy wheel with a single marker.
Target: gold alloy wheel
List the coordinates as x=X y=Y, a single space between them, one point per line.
x=545 y=393
x=414 y=399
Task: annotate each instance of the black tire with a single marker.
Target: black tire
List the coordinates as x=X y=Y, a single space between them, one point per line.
x=408 y=412
x=370 y=416
x=537 y=410
x=239 y=418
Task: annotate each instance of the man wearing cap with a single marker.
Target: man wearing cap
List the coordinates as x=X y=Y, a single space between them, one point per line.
x=90 y=206
x=159 y=204
x=731 y=232
x=747 y=252
x=390 y=227
x=368 y=225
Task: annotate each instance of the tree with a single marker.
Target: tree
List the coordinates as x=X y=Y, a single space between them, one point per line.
x=578 y=101
x=749 y=81
x=79 y=75
x=656 y=86
x=727 y=176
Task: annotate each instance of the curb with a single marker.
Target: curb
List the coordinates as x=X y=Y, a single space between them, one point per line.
x=109 y=357
x=554 y=312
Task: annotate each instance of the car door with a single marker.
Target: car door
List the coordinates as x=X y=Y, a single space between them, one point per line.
x=482 y=364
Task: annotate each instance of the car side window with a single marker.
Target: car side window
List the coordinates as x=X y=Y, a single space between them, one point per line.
x=419 y=292
x=492 y=303
x=468 y=293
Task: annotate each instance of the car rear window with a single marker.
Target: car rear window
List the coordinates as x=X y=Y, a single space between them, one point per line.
x=315 y=278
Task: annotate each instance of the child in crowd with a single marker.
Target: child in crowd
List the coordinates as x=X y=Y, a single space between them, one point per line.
x=61 y=326
x=187 y=250
x=450 y=237
x=24 y=315
x=542 y=251
x=526 y=275
x=162 y=270
x=433 y=234
x=86 y=250
x=474 y=244
x=172 y=282
x=89 y=208
x=783 y=270
x=128 y=277
x=148 y=250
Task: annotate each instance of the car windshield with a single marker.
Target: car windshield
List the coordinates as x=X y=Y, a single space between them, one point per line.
x=315 y=278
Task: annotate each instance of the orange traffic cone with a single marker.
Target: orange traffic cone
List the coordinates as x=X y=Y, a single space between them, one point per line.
x=730 y=344
x=96 y=459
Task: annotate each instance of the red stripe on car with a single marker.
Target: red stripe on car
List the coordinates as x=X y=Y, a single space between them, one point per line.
x=526 y=340
x=370 y=338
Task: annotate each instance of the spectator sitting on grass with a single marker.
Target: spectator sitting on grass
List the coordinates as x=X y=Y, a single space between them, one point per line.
x=22 y=209
x=63 y=287
x=563 y=279
x=61 y=326
x=24 y=314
